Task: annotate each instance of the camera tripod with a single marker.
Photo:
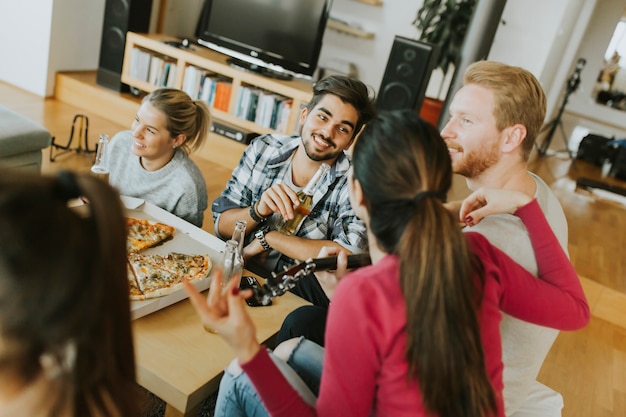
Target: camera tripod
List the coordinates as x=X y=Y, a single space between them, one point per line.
x=572 y=85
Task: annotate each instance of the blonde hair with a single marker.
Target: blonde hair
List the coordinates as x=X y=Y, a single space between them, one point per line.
x=184 y=115
x=519 y=97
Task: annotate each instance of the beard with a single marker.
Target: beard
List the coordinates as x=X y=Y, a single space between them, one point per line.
x=474 y=163
x=309 y=149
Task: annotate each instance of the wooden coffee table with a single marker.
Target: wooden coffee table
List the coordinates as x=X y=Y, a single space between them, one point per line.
x=181 y=363
x=176 y=359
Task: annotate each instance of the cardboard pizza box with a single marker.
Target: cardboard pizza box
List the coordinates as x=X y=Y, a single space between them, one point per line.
x=187 y=239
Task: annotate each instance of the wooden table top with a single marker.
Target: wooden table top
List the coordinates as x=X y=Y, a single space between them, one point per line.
x=180 y=362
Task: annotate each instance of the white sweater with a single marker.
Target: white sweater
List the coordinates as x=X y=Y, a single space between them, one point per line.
x=524 y=345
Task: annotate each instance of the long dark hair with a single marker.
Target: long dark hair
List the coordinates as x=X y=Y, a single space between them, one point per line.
x=64 y=291
x=405 y=172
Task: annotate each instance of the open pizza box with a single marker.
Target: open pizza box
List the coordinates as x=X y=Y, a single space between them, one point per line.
x=187 y=239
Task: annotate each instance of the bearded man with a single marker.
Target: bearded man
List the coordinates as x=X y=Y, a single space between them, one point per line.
x=263 y=187
x=495 y=118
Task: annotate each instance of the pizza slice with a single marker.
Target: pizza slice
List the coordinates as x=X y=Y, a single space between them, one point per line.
x=160 y=275
x=135 y=292
x=144 y=234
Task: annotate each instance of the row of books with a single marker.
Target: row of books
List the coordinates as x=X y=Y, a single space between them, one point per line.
x=267 y=109
x=154 y=69
x=209 y=87
x=262 y=107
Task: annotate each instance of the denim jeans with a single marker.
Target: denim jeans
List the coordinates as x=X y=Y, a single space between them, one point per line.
x=237 y=396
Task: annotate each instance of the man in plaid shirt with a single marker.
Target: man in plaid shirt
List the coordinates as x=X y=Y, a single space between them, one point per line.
x=263 y=187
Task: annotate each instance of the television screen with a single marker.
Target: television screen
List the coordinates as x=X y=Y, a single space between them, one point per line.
x=284 y=36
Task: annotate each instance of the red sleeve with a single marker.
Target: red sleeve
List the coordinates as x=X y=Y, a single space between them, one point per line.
x=355 y=332
x=277 y=394
x=556 y=299
x=349 y=378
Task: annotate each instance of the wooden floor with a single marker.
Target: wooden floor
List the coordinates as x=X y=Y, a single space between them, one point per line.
x=588 y=367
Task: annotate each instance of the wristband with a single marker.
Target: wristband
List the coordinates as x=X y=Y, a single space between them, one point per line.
x=255 y=215
x=260 y=235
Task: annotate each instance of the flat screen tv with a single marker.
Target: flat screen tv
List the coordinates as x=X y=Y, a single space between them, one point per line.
x=279 y=38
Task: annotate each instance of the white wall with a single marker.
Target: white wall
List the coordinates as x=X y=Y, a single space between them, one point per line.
x=582 y=106
x=66 y=34
x=25 y=47
x=41 y=37
x=534 y=29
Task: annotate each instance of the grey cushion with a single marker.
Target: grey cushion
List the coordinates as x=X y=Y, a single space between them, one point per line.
x=19 y=134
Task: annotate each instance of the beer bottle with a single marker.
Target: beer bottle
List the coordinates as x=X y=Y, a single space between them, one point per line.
x=305 y=196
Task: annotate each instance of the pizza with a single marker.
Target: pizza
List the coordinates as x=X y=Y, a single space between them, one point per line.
x=155 y=275
x=144 y=234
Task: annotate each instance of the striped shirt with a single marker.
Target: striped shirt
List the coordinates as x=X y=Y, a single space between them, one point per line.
x=266 y=161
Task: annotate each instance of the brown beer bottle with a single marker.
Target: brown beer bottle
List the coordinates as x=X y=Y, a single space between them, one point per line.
x=305 y=196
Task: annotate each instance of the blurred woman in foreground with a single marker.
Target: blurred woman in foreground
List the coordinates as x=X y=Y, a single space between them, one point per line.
x=66 y=347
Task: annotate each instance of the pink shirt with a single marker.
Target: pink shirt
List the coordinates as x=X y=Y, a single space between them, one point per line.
x=364 y=364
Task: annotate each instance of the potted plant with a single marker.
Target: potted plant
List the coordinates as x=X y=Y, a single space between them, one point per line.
x=443 y=23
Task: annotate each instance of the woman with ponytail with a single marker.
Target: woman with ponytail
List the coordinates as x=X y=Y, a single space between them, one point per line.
x=66 y=348
x=416 y=333
x=151 y=161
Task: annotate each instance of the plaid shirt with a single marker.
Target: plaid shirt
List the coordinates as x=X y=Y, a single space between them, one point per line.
x=265 y=162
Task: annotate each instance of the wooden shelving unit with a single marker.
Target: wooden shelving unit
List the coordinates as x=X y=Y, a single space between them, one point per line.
x=298 y=91
x=350 y=30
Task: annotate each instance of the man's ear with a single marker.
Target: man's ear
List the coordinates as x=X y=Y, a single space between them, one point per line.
x=358 y=200
x=513 y=137
x=358 y=192
x=303 y=114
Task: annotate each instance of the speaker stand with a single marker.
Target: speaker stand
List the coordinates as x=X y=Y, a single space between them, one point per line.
x=570 y=87
x=551 y=128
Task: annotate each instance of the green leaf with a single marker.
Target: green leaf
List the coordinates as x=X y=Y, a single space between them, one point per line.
x=445 y=23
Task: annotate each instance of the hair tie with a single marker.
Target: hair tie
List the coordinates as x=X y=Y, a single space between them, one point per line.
x=67 y=186
x=423 y=194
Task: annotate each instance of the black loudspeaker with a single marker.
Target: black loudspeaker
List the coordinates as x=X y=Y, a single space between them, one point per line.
x=407 y=74
x=120 y=16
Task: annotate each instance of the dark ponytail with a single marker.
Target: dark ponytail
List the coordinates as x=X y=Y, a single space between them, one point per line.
x=437 y=268
x=78 y=287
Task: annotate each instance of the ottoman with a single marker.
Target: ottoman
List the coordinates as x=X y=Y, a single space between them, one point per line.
x=21 y=141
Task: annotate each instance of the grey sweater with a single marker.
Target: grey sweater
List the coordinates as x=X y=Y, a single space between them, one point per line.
x=178 y=187
x=524 y=345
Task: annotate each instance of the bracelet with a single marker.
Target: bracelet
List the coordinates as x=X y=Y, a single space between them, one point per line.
x=260 y=235
x=255 y=214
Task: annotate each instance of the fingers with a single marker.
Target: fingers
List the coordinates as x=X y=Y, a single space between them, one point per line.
x=468 y=207
x=342 y=263
x=327 y=251
x=218 y=311
x=484 y=202
x=215 y=288
x=198 y=302
x=278 y=199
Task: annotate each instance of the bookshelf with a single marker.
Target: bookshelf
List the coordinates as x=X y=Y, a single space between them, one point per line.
x=151 y=63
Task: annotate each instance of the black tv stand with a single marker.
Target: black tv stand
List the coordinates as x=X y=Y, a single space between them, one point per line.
x=247 y=66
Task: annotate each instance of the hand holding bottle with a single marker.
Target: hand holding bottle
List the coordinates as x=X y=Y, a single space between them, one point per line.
x=305 y=202
x=279 y=198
